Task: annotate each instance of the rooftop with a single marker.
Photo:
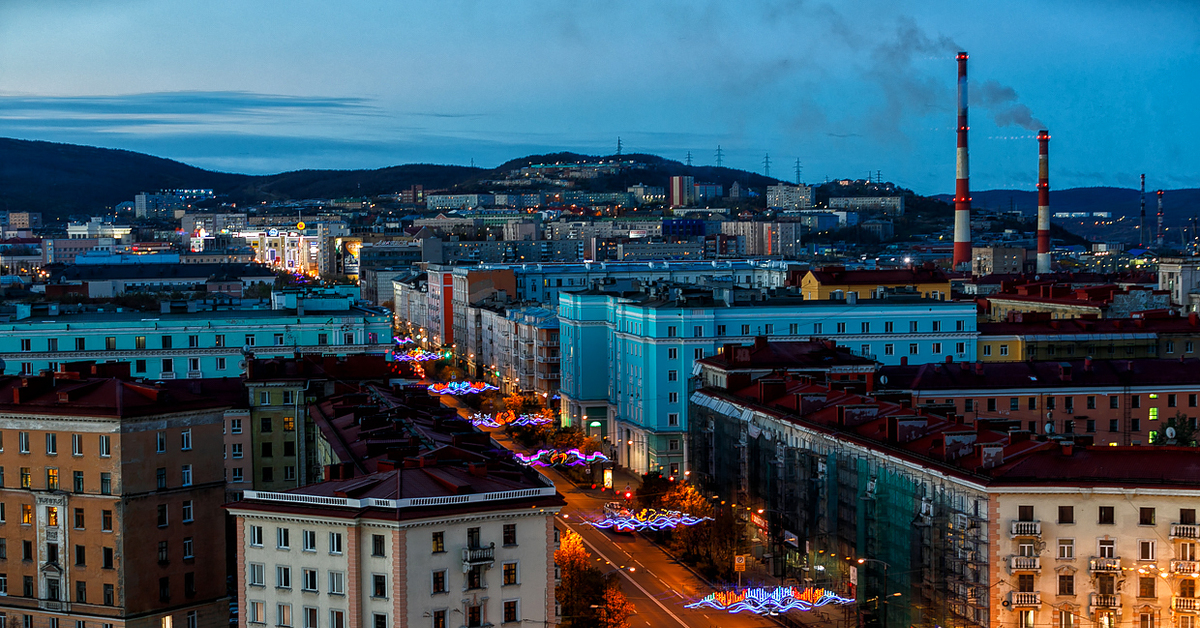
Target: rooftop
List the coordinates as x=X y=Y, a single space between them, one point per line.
x=1085 y=373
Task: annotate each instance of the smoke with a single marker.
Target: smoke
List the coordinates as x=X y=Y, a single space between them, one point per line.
x=1001 y=101
x=905 y=87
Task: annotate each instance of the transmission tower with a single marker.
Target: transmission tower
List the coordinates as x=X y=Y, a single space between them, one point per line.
x=767 y=164
x=618 y=146
x=797 y=171
x=689 y=158
x=720 y=156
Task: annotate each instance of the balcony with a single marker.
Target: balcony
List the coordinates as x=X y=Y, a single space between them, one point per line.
x=1099 y=600
x=478 y=556
x=1190 y=604
x=1026 y=528
x=1024 y=563
x=1104 y=565
x=1185 y=566
x=1185 y=531
x=1025 y=598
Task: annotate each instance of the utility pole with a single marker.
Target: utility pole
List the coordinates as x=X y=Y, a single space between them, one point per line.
x=720 y=156
x=767 y=164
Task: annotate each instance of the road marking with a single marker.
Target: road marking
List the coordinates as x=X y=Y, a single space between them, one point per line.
x=638 y=585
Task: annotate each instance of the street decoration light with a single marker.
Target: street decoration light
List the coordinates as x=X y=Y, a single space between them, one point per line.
x=460 y=388
x=416 y=355
x=530 y=419
x=647 y=519
x=484 y=420
x=400 y=342
x=769 y=600
x=555 y=458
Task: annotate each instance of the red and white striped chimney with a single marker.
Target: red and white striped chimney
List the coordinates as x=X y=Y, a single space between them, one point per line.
x=1043 y=212
x=962 y=188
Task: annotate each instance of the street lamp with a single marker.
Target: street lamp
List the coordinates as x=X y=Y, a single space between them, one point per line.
x=883 y=597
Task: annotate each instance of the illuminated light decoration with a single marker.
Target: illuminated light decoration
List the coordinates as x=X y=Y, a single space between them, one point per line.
x=530 y=419
x=416 y=355
x=403 y=341
x=555 y=458
x=460 y=388
x=770 y=600
x=484 y=420
x=648 y=519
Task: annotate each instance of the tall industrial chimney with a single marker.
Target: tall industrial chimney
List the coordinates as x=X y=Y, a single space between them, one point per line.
x=962 y=187
x=1160 y=219
x=1142 y=219
x=1043 y=211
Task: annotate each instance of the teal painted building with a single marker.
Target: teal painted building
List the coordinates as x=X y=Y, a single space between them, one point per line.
x=190 y=344
x=628 y=358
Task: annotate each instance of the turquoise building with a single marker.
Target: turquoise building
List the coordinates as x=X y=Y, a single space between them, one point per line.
x=193 y=343
x=628 y=358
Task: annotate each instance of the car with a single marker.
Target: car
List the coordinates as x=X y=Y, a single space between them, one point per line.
x=619 y=511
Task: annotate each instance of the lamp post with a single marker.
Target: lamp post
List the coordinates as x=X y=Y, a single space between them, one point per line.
x=884 y=594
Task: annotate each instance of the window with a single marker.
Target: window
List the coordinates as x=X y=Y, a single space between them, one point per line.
x=109 y=597
x=337 y=583
x=162 y=515
x=220 y=364
x=27 y=514
x=78 y=518
x=1187 y=516
x=51 y=479
x=720 y=330
x=1066 y=514
x=439 y=581
x=841 y=328
x=510 y=534
x=991 y=405
x=1003 y=349
x=256 y=536
x=51 y=444
x=745 y=330
x=1107 y=548
x=698 y=331
x=1025 y=513
x=1135 y=401
x=238 y=475
x=987 y=350
x=817 y=328
x=80 y=555
x=1146 y=587
x=160 y=478
x=673 y=397
x=673 y=444
x=473 y=537
x=168 y=365
x=258 y=575
x=889 y=349
x=283 y=577
x=866 y=327
x=439 y=619
x=510 y=611
x=671 y=331
x=380 y=620
x=937 y=325
x=1106 y=515
x=188 y=547
x=283 y=538
x=164 y=552
x=23 y=442
x=672 y=353
x=1145 y=549
x=81 y=591
x=187 y=511
x=672 y=419
x=322 y=339
x=1066 y=585
x=937 y=348
x=236 y=450
x=1025 y=583
x=278 y=340
x=378 y=585
x=510 y=573
x=335 y=542
x=106 y=520
x=186 y=475
x=264 y=399
x=309 y=581
x=377 y=545
x=185 y=440
x=105 y=446
x=672 y=375
x=309 y=540
x=1066 y=549
x=439 y=542
x=235 y=426
x=1145 y=516
x=76 y=444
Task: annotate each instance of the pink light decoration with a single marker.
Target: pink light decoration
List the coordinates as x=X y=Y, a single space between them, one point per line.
x=531 y=419
x=484 y=420
x=568 y=458
x=769 y=600
x=460 y=388
x=416 y=355
x=648 y=519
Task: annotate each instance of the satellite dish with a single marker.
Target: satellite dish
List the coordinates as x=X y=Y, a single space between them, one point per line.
x=1170 y=432
x=1050 y=427
x=882 y=378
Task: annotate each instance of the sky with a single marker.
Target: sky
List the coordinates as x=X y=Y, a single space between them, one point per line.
x=845 y=88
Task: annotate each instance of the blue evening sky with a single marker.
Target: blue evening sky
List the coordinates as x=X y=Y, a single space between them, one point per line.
x=262 y=86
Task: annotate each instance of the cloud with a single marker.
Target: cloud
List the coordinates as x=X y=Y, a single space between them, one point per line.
x=214 y=103
x=1002 y=101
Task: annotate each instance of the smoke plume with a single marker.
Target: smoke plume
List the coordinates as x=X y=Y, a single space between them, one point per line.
x=1001 y=101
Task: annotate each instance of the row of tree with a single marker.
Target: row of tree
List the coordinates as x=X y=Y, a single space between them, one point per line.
x=587 y=597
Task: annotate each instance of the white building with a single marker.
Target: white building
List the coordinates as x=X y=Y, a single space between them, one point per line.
x=98 y=228
x=437 y=545
x=890 y=205
x=787 y=196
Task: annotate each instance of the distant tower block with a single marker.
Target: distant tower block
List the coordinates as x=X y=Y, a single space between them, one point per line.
x=1043 y=210
x=962 y=187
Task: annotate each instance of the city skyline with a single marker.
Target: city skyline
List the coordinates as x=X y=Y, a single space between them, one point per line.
x=846 y=89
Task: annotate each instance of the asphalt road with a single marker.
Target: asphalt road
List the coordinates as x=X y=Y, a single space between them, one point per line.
x=656 y=584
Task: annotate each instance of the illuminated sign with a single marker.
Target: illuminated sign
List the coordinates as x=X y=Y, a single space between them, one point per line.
x=769 y=600
x=274 y=233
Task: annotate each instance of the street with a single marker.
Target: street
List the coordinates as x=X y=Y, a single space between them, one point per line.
x=657 y=585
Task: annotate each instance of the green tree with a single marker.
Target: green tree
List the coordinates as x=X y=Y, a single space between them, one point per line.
x=1185 y=433
x=653 y=490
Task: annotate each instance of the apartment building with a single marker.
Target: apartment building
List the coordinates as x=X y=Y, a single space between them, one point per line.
x=111 y=515
x=1109 y=402
x=1064 y=301
x=650 y=341
x=446 y=536
x=209 y=339
x=836 y=281
x=981 y=524
x=1037 y=336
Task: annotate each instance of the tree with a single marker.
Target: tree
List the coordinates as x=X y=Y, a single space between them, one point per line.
x=652 y=491
x=615 y=610
x=1185 y=431
x=581 y=587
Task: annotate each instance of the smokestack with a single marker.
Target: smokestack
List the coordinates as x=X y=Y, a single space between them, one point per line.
x=1142 y=220
x=962 y=188
x=1160 y=219
x=1043 y=211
